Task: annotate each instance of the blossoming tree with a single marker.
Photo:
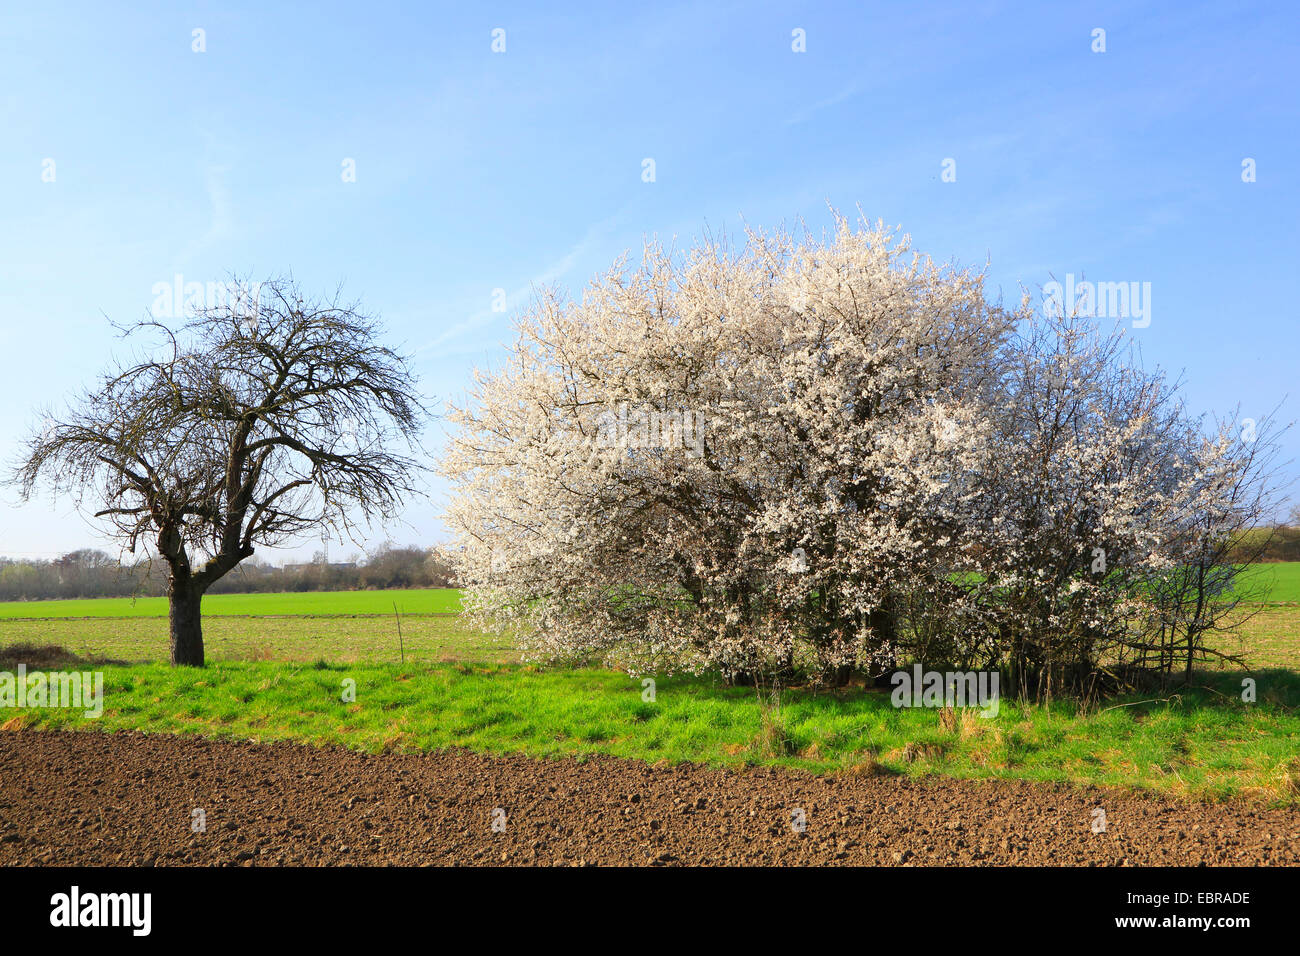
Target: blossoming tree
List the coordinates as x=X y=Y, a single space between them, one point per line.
x=732 y=459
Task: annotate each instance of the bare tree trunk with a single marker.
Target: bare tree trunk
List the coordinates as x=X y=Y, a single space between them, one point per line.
x=884 y=621
x=839 y=675
x=186 y=626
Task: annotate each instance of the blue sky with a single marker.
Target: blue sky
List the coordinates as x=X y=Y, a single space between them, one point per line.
x=478 y=170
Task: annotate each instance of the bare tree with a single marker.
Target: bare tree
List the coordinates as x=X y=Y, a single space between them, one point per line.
x=253 y=423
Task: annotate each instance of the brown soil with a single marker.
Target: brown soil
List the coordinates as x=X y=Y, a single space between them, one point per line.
x=92 y=798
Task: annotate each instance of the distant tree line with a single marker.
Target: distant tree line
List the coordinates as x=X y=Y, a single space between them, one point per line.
x=90 y=573
x=1275 y=542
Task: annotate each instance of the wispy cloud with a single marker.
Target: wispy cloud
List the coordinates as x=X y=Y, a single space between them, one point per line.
x=222 y=223
x=553 y=272
x=848 y=92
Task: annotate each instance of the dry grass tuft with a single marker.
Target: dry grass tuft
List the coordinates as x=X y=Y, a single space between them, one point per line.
x=773 y=739
x=948 y=720
x=972 y=724
x=1288 y=778
x=867 y=765
x=913 y=752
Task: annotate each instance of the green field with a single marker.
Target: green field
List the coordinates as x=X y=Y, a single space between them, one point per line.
x=277 y=664
x=1282 y=579
x=303 y=603
x=374 y=640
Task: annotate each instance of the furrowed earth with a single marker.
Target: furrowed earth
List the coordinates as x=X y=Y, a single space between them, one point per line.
x=88 y=798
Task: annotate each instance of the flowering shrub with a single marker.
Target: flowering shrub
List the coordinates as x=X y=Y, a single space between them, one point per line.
x=823 y=455
x=1106 y=511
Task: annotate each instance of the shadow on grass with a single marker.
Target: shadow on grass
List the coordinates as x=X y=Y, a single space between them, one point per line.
x=35 y=657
